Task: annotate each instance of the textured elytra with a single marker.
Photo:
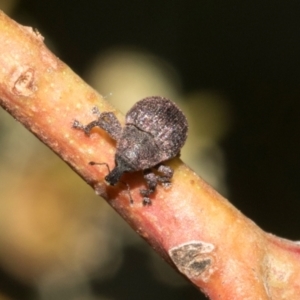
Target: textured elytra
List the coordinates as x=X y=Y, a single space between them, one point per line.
x=164 y=121
x=155 y=131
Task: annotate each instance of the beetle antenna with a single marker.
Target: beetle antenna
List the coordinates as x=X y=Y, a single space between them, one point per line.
x=128 y=190
x=92 y=163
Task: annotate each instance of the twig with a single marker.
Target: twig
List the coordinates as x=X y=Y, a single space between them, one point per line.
x=190 y=225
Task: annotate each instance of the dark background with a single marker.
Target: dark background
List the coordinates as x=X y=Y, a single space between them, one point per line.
x=248 y=50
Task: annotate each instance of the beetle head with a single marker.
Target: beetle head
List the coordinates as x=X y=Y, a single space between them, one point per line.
x=121 y=166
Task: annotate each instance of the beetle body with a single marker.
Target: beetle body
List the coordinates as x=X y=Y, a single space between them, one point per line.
x=155 y=131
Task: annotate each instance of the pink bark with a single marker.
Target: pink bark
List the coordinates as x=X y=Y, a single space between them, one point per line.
x=190 y=225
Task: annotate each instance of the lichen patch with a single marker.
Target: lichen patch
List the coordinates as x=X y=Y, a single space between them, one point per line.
x=23 y=81
x=195 y=259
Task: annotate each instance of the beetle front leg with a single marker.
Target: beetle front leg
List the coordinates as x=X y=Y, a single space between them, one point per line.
x=106 y=120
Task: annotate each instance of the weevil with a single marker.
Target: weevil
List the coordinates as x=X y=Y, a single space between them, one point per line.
x=155 y=131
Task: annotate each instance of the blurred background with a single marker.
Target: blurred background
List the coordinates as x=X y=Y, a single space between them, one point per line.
x=234 y=69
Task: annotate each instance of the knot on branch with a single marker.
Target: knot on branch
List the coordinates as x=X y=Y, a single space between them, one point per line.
x=194 y=259
x=24 y=82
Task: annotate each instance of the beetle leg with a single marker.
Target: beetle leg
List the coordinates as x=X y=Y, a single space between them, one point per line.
x=167 y=174
x=106 y=121
x=151 y=181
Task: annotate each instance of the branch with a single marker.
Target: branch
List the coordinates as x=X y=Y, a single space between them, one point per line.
x=190 y=225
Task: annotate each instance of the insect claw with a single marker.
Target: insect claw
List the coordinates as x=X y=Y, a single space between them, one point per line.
x=77 y=124
x=147 y=201
x=96 y=111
